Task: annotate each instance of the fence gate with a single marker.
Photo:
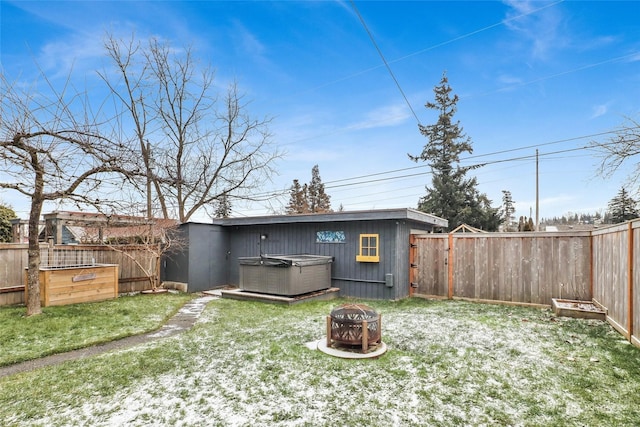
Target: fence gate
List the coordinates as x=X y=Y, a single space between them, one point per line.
x=413 y=264
x=429 y=265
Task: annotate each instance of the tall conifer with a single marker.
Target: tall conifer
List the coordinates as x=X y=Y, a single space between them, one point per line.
x=452 y=195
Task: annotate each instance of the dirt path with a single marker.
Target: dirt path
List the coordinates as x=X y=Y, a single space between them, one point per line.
x=183 y=320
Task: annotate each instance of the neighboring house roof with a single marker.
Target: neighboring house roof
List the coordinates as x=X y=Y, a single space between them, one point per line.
x=94 y=218
x=464 y=228
x=371 y=215
x=87 y=227
x=571 y=227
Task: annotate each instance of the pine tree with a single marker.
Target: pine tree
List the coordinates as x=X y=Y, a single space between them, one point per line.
x=223 y=207
x=310 y=198
x=530 y=226
x=452 y=196
x=622 y=207
x=318 y=200
x=507 y=211
x=297 y=199
x=525 y=224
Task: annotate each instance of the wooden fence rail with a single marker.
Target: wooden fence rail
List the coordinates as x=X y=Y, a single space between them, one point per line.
x=13 y=262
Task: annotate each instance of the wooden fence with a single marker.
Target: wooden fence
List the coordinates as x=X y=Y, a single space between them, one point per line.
x=13 y=262
x=524 y=268
x=616 y=276
x=532 y=268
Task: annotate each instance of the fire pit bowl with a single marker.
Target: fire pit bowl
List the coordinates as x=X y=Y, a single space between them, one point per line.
x=354 y=325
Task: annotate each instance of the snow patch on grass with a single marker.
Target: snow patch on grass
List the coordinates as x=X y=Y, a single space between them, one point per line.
x=448 y=363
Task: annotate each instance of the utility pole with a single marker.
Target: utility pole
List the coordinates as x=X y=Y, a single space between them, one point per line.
x=537 y=195
x=147 y=155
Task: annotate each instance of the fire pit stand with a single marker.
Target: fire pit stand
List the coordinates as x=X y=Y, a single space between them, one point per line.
x=354 y=325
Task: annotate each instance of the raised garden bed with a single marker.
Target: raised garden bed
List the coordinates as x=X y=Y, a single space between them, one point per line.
x=578 y=309
x=74 y=284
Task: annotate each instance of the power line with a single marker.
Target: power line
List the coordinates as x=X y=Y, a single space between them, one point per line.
x=343 y=182
x=444 y=43
x=559 y=141
x=552 y=76
x=386 y=64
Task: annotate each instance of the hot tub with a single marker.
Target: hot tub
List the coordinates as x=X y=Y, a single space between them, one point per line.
x=286 y=275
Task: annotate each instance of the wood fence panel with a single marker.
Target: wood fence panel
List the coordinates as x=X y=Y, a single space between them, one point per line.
x=635 y=305
x=515 y=267
x=610 y=267
x=464 y=268
x=13 y=261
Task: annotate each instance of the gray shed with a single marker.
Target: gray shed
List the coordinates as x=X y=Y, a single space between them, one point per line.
x=370 y=249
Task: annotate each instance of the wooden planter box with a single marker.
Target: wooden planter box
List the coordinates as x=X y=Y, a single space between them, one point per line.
x=578 y=309
x=71 y=285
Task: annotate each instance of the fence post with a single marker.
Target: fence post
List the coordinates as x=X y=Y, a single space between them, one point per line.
x=591 y=265
x=630 y=282
x=450 y=273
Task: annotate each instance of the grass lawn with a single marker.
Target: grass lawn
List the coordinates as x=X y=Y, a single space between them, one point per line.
x=65 y=328
x=449 y=363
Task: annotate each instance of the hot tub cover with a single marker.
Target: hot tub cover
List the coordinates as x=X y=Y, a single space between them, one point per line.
x=286 y=260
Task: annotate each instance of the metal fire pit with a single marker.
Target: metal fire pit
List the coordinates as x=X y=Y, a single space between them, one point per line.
x=353 y=325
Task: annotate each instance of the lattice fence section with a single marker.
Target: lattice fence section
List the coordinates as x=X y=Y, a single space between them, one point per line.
x=59 y=258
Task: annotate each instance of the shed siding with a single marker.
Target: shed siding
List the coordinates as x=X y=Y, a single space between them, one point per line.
x=208 y=266
x=211 y=257
x=355 y=279
x=202 y=264
x=176 y=263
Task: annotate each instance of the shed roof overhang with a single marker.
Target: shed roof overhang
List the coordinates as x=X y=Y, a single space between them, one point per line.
x=371 y=215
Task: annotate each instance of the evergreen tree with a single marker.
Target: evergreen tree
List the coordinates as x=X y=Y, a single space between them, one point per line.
x=525 y=224
x=622 y=207
x=318 y=200
x=297 y=199
x=452 y=196
x=530 y=225
x=507 y=211
x=6 y=215
x=223 y=207
x=310 y=198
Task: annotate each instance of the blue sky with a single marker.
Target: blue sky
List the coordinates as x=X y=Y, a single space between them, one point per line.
x=545 y=75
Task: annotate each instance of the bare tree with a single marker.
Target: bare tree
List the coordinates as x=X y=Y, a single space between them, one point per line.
x=158 y=238
x=53 y=148
x=133 y=89
x=619 y=149
x=198 y=147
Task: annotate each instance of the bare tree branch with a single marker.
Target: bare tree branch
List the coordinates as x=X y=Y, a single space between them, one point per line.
x=201 y=149
x=620 y=149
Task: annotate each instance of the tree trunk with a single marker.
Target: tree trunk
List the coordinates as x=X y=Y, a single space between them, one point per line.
x=33 y=270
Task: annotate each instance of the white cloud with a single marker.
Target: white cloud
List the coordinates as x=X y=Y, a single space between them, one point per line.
x=509 y=80
x=537 y=25
x=599 y=110
x=387 y=116
x=248 y=43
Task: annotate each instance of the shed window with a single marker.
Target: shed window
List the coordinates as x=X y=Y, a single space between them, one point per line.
x=368 y=251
